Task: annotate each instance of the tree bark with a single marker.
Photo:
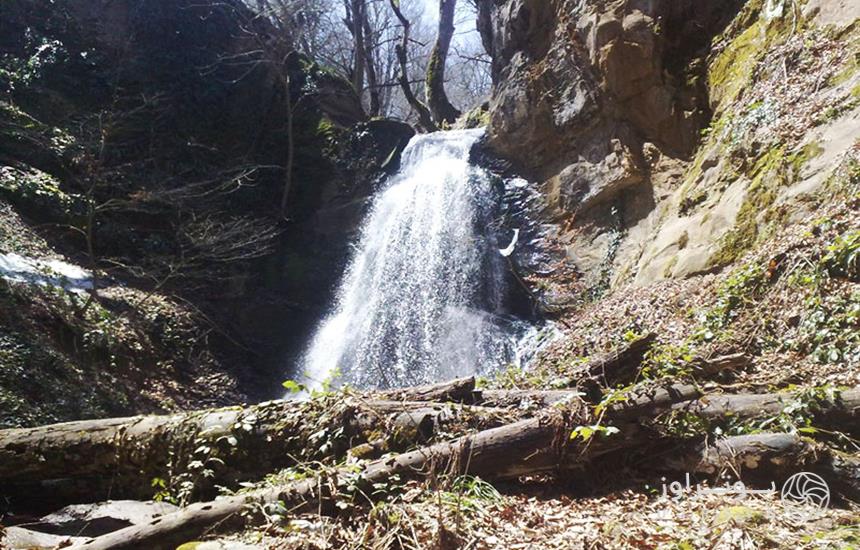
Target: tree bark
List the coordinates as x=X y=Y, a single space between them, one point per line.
x=441 y=108
x=119 y=457
x=460 y=390
x=842 y=414
x=534 y=445
x=500 y=450
x=529 y=446
x=356 y=14
x=772 y=457
x=370 y=62
x=620 y=366
x=425 y=118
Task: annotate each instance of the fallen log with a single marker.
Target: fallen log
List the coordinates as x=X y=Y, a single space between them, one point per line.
x=841 y=413
x=722 y=365
x=529 y=446
x=119 y=457
x=641 y=401
x=459 y=391
x=620 y=366
x=525 y=399
x=772 y=457
x=771 y=452
x=649 y=401
x=504 y=450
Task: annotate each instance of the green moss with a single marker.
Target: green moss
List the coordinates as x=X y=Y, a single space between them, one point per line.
x=667 y=271
x=733 y=68
x=759 y=197
x=808 y=152
x=771 y=171
x=476 y=118
x=432 y=69
x=738 y=515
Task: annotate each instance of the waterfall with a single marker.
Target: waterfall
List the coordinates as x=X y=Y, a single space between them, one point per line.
x=422 y=299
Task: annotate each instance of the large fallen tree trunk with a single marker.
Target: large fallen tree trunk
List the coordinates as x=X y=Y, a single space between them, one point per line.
x=840 y=413
x=120 y=457
x=529 y=446
x=619 y=366
x=500 y=451
x=525 y=447
x=459 y=390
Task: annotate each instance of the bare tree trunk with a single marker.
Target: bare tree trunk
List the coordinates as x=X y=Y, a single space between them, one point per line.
x=356 y=16
x=437 y=99
x=769 y=456
x=291 y=146
x=370 y=60
x=843 y=414
x=534 y=445
x=425 y=119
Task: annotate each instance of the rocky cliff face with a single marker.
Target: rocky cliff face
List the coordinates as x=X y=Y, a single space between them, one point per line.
x=671 y=136
x=700 y=164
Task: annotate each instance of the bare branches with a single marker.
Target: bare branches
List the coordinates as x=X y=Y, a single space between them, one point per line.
x=424 y=116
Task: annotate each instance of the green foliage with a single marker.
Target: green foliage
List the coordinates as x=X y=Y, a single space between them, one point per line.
x=40 y=54
x=470 y=493
x=294 y=387
x=585 y=433
x=326 y=385
x=684 y=424
x=830 y=328
x=740 y=290
x=843 y=256
x=161 y=493
x=668 y=360
x=612 y=397
x=795 y=416
x=513 y=377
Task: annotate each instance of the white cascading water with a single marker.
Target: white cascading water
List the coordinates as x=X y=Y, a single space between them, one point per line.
x=421 y=298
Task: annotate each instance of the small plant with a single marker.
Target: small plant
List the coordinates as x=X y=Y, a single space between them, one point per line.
x=795 y=416
x=684 y=424
x=829 y=330
x=585 y=433
x=737 y=292
x=668 y=360
x=470 y=493
x=843 y=256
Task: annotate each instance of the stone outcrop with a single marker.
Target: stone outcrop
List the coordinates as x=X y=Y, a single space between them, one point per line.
x=613 y=105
